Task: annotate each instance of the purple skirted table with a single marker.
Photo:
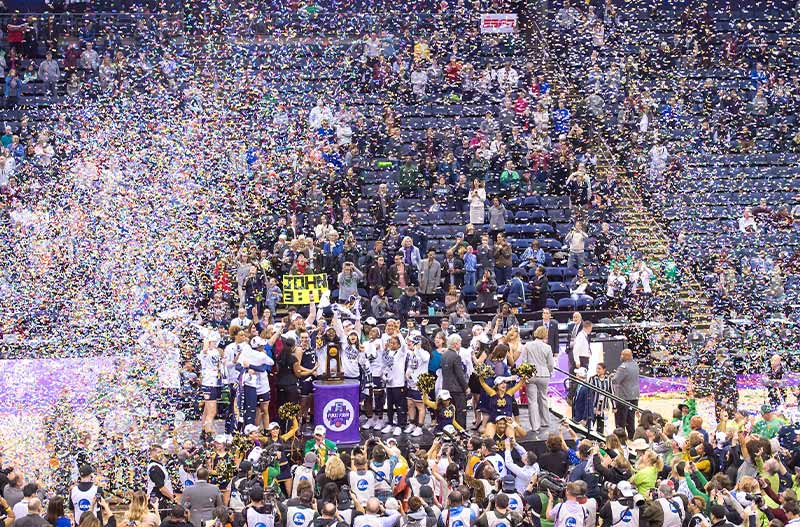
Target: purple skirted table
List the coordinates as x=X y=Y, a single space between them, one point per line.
x=336 y=408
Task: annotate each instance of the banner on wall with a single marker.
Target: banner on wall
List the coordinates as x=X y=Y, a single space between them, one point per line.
x=498 y=22
x=303 y=288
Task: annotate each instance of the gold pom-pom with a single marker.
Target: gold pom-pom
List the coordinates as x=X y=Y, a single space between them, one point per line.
x=288 y=411
x=526 y=370
x=484 y=371
x=426 y=382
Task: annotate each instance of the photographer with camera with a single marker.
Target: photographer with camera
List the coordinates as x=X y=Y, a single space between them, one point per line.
x=246 y=480
x=509 y=489
x=584 y=470
x=362 y=480
x=529 y=468
x=500 y=514
x=300 y=511
x=492 y=457
x=262 y=510
x=375 y=515
x=620 y=510
x=419 y=514
x=456 y=514
x=666 y=510
x=304 y=472
x=568 y=513
x=343 y=500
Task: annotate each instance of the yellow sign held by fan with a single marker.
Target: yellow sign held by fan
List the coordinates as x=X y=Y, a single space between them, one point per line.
x=304 y=288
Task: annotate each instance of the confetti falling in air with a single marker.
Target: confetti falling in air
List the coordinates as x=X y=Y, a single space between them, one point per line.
x=160 y=178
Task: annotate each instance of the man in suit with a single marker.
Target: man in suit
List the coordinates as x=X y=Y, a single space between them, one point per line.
x=201 y=499
x=626 y=386
x=552 y=329
x=453 y=378
x=541 y=288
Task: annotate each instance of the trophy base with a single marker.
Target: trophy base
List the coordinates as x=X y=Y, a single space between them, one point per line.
x=332 y=380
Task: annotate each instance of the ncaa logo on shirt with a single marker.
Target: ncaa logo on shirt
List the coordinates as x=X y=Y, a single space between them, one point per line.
x=188 y=483
x=673 y=507
x=571 y=522
x=382 y=476
x=83 y=505
x=627 y=516
x=513 y=504
x=362 y=484
x=299 y=518
x=458 y=523
x=261 y=524
x=500 y=466
x=500 y=525
x=303 y=478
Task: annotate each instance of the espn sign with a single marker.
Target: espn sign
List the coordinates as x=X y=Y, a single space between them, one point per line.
x=498 y=22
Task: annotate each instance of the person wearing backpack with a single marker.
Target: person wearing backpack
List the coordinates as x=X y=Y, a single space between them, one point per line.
x=419 y=514
x=456 y=514
x=509 y=490
x=383 y=467
x=304 y=472
x=500 y=515
x=242 y=484
x=568 y=513
x=362 y=480
x=259 y=513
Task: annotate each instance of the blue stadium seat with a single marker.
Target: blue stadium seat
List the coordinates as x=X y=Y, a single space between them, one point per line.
x=566 y=304
x=542 y=228
x=554 y=274
x=522 y=215
x=532 y=202
x=550 y=304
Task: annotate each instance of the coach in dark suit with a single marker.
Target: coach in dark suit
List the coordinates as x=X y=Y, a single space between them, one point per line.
x=454 y=379
x=541 y=288
x=201 y=499
x=552 y=329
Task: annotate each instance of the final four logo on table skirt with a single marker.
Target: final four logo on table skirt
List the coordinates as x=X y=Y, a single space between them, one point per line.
x=338 y=414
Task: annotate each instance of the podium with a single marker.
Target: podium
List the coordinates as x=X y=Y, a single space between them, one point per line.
x=336 y=408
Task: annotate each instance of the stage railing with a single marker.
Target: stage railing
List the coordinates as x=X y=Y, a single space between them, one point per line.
x=602 y=392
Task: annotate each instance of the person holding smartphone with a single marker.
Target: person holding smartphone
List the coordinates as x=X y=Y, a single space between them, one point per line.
x=84 y=494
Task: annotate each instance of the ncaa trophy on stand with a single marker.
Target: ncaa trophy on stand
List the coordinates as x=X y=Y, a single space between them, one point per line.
x=336 y=399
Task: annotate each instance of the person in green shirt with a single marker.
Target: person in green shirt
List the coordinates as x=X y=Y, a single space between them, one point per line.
x=409 y=177
x=7 y=138
x=767 y=427
x=645 y=473
x=509 y=178
x=684 y=413
x=321 y=446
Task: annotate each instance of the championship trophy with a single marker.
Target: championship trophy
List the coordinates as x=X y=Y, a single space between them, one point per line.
x=333 y=366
